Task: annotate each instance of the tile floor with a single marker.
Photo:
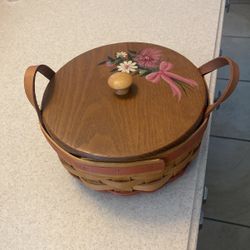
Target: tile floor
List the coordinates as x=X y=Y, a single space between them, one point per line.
x=227 y=210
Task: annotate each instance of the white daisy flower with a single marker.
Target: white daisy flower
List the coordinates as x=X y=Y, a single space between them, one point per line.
x=127 y=66
x=121 y=54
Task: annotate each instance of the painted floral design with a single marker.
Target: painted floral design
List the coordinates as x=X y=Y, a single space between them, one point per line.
x=121 y=54
x=149 y=63
x=127 y=66
x=148 y=58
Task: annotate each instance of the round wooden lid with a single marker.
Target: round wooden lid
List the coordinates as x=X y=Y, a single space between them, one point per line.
x=165 y=104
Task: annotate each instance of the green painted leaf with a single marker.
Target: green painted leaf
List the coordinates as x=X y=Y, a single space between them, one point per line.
x=113 y=70
x=103 y=62
x=130 y=57
x=143 y=72
x=111 y=58
x=118 y=60
x=132 y=51
x=182 y=87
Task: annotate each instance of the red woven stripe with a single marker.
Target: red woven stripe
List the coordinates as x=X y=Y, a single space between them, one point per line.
x=116 y=171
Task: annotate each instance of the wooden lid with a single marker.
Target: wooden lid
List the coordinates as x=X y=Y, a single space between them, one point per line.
x=164 y=106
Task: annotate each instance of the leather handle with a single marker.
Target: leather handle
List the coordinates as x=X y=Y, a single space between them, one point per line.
x=29 y=84
x=232 y=82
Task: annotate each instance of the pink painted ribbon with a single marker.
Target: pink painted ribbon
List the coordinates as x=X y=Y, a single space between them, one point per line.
x=169 y=78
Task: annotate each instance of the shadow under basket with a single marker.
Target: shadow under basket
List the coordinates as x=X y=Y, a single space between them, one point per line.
x=82 y=118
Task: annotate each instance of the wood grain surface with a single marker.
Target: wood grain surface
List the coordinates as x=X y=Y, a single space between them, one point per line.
x=83 y=115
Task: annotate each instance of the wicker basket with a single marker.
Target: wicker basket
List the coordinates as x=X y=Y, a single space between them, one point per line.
x=127 y=178
x=143 y=175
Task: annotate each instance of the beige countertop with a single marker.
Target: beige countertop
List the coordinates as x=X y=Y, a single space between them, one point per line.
x=43 y=207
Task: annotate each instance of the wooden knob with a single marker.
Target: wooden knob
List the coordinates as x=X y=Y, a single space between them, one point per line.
x=120 y=82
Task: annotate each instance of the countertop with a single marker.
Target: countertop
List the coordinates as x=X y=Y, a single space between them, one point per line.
x=41 y=205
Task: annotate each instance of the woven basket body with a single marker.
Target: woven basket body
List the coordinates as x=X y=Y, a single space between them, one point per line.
x=126 y=184
x=129 y=178
x=107 y=141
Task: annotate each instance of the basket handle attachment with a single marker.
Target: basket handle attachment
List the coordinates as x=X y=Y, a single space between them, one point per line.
x=232 y=82
x=29 y=84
